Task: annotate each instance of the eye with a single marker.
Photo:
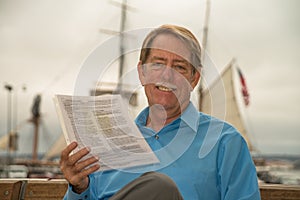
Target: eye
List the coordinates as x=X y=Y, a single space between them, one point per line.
x=181 y=69
x=157 y=66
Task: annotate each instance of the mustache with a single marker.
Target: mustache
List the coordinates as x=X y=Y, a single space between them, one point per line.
x=167 y=85
x=162 y=84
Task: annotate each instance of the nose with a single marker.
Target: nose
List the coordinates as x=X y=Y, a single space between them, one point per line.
x=167 y=73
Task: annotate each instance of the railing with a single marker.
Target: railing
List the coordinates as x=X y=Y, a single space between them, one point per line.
x=279 y=192
x=38 y=189
x=32 y=189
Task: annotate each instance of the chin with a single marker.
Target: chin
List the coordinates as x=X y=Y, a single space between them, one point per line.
x=168 y=104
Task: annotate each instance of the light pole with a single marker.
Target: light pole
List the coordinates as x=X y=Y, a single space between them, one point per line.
x=9 y=88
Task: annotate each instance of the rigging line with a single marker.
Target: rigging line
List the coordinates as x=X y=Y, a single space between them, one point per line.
x=204 y=47
x=45 y=131
x=205 y=28
x=20 y=125
x=57 y=78
x=251 y=131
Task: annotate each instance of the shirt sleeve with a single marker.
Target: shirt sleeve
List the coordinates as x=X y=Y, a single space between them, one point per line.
x=237 y=173
x=71 y=195
x=85 y=195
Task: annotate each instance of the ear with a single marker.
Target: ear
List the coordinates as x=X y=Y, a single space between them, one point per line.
x=141 y=72
x=195 y=78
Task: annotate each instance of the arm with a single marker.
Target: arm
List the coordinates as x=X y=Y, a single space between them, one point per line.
x=75 y=170
x=237 y=173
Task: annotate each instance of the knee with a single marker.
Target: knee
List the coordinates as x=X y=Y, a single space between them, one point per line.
x=150 y=186
x=161 y=181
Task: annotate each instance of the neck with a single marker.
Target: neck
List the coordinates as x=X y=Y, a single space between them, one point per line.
x=160 y=116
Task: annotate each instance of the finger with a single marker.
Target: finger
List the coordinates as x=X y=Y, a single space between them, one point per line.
x=66 y=152
x=77 y=156
x=89 y=170
x=79 y=176
x=85 y=163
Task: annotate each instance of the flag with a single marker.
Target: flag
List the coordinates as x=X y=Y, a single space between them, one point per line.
x=244 y=89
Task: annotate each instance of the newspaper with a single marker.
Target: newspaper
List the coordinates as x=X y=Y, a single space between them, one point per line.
x=102 y=123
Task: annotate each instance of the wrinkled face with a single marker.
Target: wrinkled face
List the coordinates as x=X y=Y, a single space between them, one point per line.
x=167 y=75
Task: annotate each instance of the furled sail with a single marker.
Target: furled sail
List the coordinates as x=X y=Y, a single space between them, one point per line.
x=9 y=141
x=56 y=148
x=4 y=142
x=221 y=99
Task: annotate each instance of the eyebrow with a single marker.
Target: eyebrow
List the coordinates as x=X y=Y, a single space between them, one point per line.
x=157 y=58
x=164 y=59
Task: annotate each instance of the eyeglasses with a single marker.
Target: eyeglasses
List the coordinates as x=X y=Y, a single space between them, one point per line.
x=159 y=67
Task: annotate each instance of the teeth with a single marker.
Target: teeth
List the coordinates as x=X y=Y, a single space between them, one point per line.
x=162 y=88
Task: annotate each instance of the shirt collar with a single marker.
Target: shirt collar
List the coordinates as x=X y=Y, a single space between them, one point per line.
x=141 y=119
x=190 y=116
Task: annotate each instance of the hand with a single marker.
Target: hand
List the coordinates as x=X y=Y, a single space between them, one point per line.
x=75 y=171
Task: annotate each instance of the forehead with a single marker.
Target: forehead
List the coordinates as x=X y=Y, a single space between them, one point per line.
x=169 y=44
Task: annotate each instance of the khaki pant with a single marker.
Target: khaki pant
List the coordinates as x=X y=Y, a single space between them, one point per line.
x=149 y=186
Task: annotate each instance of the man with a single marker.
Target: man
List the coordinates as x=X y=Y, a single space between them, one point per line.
x=169 y=69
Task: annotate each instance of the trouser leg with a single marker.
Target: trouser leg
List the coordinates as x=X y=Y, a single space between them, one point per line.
x=149 y=186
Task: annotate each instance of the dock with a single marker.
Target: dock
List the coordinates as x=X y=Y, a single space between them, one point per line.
x=52 y=189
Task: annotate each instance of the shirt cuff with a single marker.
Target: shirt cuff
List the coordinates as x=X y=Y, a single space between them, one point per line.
x=74 y=196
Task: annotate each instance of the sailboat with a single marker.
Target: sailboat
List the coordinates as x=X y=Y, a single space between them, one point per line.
x=21 y=166
x=223 y=100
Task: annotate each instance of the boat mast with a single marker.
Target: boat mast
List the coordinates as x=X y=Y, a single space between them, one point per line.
x=205 y=28
x=120 y=32
x=35 y=110
x=122 y=28
x=36 y=123
x=9 y=88
x=204 y=44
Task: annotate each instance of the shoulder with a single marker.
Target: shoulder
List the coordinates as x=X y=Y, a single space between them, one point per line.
x=218 y=134
x=214 y=124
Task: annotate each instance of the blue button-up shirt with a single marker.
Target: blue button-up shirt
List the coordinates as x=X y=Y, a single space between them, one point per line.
x=206 y=157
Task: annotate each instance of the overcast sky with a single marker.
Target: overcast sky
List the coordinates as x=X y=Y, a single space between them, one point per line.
x=44 y=43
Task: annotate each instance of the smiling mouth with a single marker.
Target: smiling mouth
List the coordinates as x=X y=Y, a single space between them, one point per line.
x=165 y=88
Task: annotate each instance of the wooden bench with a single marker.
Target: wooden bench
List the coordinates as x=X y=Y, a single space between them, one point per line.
x=10 y=189
x=44 y=189
x=32 y=189
x=279 y=192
